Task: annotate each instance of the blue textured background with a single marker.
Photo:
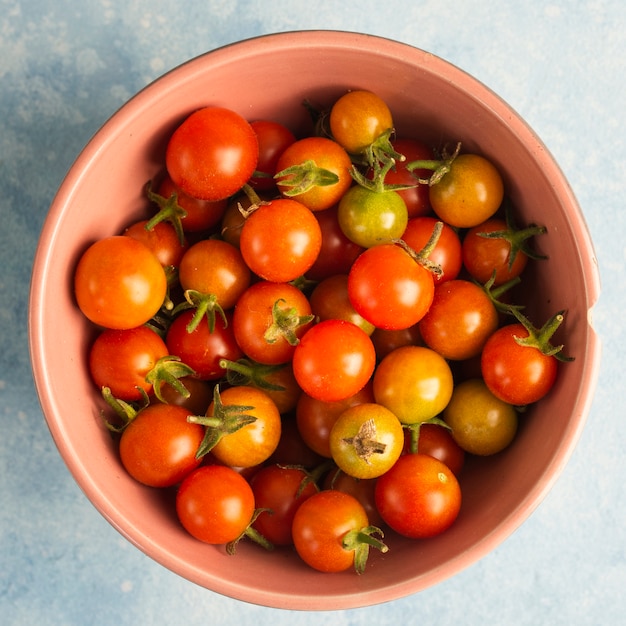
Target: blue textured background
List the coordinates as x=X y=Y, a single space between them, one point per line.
x=66 y=66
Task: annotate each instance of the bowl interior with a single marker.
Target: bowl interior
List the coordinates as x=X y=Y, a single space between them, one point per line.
x=269 y=77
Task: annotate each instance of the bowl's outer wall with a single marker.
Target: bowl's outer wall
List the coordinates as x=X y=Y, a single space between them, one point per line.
x=269 y=77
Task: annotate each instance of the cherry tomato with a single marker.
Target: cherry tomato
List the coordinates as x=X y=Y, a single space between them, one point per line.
x=269 y=319
x=436 y=440
x=214 y=267
x=369 y=218
x=158 y=447
x=333 y=360
x=470 y=193
x=161 y=239
x=419 y=497
x=389 y=288
x=460 y=320
x=337 y=252
x=273 y=138
x=119 y=283
x=325 y=531
x=386 y=341
x=280 y=490
x=481 y=423
x=122 y=359
x=329 y=300
x=363 y=489
x=212 y=154
x=366 y=440
x=253 y=443
x=292 y=449
x=198 y=400
x=215 y=504
x=203 y=348
x=514 y=373
x=447 y=251
x=317 y=169
x=358 y=118
x=413 y=382
x=316 y=418
x=280 y=240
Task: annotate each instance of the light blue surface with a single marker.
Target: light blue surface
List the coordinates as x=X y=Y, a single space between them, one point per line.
x=66 y=66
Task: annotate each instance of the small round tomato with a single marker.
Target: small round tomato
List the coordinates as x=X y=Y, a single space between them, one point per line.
x=333 y=360
x=215 y=267
x=481 y=423
x=315 y=171
x=386 y=341
x=413 y=382
x=363 y=489
x=447 y=251
x=158 y=447
x=329 y=531
x=212 y=153
x=292 y=449
x=281 y=491
x=122 y=359
x=254 y=442
x=369 y=218
x=316 y=418
x=200 y=395
x=273 y=138
x=460 y=320
x=269 y=319
x=280 y=240
x=358 y=118
x=435 y=440
x=419 y=497
x=215 y=504
x=470 y=193
x=203 y=348
x=119 y=283
x=515 y=373
x=161 y=239
x=366 y=440
x=389 y=288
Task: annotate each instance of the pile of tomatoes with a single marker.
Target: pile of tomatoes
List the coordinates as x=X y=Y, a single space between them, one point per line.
x=306 y=336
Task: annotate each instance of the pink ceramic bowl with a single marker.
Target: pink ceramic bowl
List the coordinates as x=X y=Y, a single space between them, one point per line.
x=269 y=77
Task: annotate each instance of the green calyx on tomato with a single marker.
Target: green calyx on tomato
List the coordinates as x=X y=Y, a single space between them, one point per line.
x=225 y=419
x=299 y=179
x=247 y=372
x=360 y=541
x=286 y=321
x=125 y=412
x=422 y=256
x=169 y=211
x=169 y=369
x=205 y=305
x=251 y=533
x=414 y=431
x=439 y=167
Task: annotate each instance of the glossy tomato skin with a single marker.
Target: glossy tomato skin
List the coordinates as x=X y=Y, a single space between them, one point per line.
x=325 y=154
x=516 y=374
x=121 y=360
x=162 y=241
x=202 y=349
x=386 y=341
x=158 y=447
x=215 y=504
x=319 y=526
x=253 y=443
x=436 y=440
x=470 y=193
x=363 y=489
x=273 y=139
x=212 y=153
x=447 y=252
x=280 y=490
x=119 y=283
x=334 y=360
x=253 y=319
x=460 y=320
x=389 y=288
x=200 y=395
x=419 y=497
x=413 y=382
x=280 y=240
x=212 y=266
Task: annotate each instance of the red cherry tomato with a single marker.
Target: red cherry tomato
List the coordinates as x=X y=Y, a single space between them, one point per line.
x=274 y=138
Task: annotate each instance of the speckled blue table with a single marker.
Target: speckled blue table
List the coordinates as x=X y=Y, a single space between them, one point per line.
x=66 y=66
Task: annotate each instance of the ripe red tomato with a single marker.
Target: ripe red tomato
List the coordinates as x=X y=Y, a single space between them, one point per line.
x=363 y=489
x=119 y=283
x=161 y=239
x=436 y=440
x=389 y=288
x=158 y=447
x=419 y=497
x=273 y=138
x=315 y=171
x=212 y=154
x=215 y=504
x=122 y=359
x=333 y=360
x=280 y=240
x=280 y=490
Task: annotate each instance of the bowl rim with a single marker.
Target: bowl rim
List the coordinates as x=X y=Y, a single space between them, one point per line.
x=36 y=320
